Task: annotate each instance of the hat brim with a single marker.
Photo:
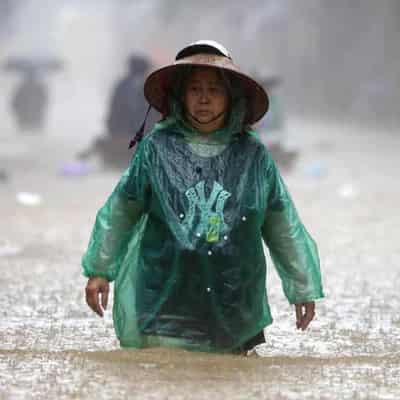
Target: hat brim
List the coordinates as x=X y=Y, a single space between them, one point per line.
x=159 y=82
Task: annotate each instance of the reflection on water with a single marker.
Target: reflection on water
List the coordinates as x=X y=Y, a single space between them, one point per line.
x=51 y=346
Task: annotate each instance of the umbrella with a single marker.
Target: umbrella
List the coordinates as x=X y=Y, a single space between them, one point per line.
x=26 y=64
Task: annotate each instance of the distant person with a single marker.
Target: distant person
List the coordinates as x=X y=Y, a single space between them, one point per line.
x=272 y=127
x=182 y=233
x=274 y=121
x=128 y=104
x=29 y=102
x=3 y=175
x=127 y=109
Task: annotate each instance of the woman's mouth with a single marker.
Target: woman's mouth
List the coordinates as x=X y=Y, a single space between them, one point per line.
x=203 y=112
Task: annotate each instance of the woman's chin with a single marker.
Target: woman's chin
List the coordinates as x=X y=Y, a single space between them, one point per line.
x=204 y=118
x=205 y=124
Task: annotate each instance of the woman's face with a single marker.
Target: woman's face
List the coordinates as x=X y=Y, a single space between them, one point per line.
x=206 y=100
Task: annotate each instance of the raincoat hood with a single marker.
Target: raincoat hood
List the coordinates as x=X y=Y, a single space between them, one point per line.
x=234 y=122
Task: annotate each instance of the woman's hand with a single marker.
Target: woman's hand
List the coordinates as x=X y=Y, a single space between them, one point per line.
x=305 y=313
x=97 y=287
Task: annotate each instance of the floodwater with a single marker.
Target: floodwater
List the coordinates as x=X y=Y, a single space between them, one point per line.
x=347 y=191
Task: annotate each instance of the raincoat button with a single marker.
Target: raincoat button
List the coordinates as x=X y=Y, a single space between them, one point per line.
x=225 y=237
x=209 y=252
x=244 y=218
x=198 y=234
x=181 y=216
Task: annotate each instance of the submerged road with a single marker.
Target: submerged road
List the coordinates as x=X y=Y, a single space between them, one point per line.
x=346 y=188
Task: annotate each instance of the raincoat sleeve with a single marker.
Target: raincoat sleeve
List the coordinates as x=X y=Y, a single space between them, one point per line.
x=293 y=251
x=116 y=220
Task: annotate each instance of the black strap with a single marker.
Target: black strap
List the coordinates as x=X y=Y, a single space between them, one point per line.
x=140 y=133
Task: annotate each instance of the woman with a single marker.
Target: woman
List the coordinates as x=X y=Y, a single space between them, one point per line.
x=182 y=233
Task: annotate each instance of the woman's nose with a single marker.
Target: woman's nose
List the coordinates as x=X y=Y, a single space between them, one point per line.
x=204 y=96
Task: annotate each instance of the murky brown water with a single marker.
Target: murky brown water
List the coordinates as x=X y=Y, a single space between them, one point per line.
x=51 y=347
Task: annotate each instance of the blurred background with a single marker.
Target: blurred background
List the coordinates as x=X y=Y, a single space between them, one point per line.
x=61 y=60
x=71 y=74
x=340 y=60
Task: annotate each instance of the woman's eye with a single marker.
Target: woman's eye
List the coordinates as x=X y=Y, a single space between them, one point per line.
x=215 y=89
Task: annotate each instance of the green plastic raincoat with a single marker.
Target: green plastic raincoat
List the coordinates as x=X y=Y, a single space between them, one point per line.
x=182 y=236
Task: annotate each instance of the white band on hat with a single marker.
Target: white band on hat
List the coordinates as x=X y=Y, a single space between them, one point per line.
x=212 y=43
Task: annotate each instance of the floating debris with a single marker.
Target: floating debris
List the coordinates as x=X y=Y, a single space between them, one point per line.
x=29 y=199
x=316 y=170
x=7 y=249
x=347 y=191
x=74 y=169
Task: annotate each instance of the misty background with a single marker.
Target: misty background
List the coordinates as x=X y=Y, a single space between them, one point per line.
x=339 y=60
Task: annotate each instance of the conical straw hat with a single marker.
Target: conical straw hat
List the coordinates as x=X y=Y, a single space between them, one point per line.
x=205 y=53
